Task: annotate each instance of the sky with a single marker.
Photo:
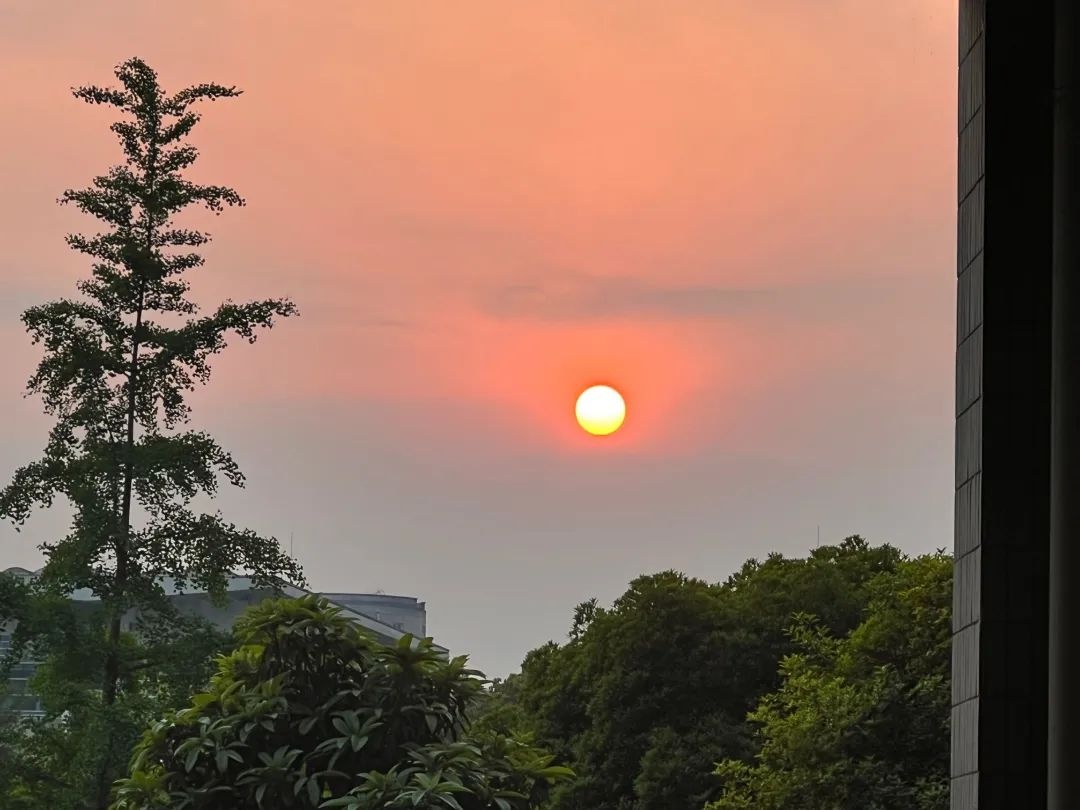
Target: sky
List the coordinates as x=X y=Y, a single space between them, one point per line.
x=741 y=213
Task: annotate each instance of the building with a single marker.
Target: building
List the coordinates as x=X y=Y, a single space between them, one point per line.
x=404 y=613
x=386 y=617
x=19 y=699
x=1016 y=657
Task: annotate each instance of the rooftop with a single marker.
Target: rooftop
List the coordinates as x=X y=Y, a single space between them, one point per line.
x=243 y=583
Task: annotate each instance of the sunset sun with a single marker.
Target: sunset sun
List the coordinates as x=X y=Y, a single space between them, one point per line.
x=600 y=410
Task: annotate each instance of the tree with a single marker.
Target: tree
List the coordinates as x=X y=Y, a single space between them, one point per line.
x=118 y=363
x=647 y=695
x=860 y=721
x=24 y=784
x=310 y=712
x=675 y=761
x=50 y=763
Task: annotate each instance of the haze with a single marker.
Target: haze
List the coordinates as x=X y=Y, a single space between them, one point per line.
x=739 y=212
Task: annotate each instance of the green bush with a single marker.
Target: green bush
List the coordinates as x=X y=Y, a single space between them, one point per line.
x=310 y=712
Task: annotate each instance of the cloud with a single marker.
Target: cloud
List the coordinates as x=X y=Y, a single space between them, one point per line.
x=581 y=297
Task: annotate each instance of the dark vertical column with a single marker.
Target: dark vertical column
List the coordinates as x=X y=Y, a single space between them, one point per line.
x=969 y=383
x=1064 y=709
x=1003 y=405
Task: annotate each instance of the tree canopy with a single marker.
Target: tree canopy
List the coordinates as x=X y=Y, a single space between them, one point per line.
x=119 y=360
x=645 y=697
x=860 y=721
x=49 y=763
x=310 y=712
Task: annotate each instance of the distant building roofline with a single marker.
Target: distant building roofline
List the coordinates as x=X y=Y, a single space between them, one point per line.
x=238 y=582
x=362 y=619
x=385 y=597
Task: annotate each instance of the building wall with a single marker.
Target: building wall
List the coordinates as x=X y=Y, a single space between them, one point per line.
x=18 y=698
x=224 y=616
x=999 y=672
x=403 y=613
x=386 y=617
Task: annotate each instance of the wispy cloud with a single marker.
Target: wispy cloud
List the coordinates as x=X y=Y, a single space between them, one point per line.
x=578 y=297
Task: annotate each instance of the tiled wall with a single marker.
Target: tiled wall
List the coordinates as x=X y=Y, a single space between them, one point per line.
x=969 y=364
x=1002 y=405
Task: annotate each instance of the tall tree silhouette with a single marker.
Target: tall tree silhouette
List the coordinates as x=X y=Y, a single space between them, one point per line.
x=119 y=361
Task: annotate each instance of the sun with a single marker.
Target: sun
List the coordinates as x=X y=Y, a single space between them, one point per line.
x=600 y=410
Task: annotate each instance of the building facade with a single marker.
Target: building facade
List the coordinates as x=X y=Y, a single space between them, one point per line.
x=1016 y=657
x=386 y=617
x=404 y=613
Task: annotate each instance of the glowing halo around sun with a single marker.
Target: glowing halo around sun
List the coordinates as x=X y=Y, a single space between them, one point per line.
x=600 y=410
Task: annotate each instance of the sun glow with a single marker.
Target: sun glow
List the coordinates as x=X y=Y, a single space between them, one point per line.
x=600 y=410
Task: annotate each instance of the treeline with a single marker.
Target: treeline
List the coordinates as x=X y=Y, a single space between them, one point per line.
x=796 y=684
x=299 y=708
x=817 y=684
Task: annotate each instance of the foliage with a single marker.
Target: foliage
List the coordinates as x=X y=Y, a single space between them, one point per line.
x=310 y=712
x=50 y=763
x=675 y=762
x=646 y=696
x=55 y=763
x=860 y=721
x=115 y=380
x=498 y=709
x=119 y=361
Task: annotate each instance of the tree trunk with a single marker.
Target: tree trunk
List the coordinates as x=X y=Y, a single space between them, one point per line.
x=111 y=677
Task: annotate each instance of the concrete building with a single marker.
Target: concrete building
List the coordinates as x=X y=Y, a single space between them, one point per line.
x=404 y=613
x=387 y=617
x=1016 y=643
x=19 y=698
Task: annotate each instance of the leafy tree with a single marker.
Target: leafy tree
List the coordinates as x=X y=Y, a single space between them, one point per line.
x=51 y=763
x=498 y=709
x=24 y=783
x=310 y=712
x=55 y=763
x=860 y=721
x=118 y=363
x=647 y=663
x=832 y=583
x=647 y=695
x=675 y=761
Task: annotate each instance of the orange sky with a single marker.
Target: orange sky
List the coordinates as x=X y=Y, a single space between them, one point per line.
x=740 y=212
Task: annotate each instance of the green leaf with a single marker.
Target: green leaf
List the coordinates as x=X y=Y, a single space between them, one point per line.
x=386 y=760
x=191 y=759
